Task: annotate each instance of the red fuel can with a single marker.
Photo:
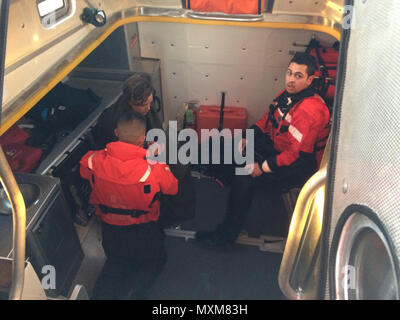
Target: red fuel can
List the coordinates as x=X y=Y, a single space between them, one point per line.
x=208 y=118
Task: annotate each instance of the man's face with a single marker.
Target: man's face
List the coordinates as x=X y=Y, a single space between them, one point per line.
x=145 y=108
x=297 y=78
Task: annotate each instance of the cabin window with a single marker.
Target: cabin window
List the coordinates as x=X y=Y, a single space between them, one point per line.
x=47 y=6
x=53 y=12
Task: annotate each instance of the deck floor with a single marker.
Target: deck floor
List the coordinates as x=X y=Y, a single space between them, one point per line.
x=195 y=272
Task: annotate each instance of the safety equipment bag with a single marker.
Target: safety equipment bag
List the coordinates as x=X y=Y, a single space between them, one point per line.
x=21 y=157
x=227 y=6
x=327 y=61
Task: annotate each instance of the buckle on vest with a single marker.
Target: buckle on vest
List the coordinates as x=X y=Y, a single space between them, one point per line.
x=137 y=213
x=134 y=213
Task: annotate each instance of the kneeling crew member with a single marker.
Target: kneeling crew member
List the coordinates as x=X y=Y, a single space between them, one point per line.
x=125 y=192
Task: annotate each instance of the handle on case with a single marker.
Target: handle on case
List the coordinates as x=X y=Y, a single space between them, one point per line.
x=217 y=109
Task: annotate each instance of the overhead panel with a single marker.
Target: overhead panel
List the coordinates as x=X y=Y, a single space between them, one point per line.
x=322 y=8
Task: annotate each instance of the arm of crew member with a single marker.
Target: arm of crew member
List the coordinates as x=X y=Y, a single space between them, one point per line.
x=84 y=170
x=168 y=182
x=303 y=128
x=256 y=171
x=263 y=167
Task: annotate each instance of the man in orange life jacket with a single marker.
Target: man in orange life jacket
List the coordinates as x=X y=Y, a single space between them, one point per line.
x=288 y=145
x=125 y=192
x=138 y=95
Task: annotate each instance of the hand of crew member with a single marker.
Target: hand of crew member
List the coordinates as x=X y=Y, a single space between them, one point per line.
x=256 y=171
x=153 y=151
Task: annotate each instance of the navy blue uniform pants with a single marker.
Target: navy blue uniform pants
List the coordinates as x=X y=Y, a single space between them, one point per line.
x=135 y=256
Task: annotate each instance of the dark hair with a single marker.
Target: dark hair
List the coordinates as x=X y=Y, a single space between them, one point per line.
x=306 y=59
x=138 y=120
x=137 y=89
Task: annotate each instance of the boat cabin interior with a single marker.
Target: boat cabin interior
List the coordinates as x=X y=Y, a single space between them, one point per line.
x=66 y=62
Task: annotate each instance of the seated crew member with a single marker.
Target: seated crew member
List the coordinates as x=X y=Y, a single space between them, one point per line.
x=137 y=95
x=288 y=145
x=125 y=190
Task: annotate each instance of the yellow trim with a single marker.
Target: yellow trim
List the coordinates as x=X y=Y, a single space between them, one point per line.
x=73 y=64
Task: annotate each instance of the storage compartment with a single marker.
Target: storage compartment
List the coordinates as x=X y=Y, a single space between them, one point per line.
x=53 y=242
x=51 y=237
x=21 y=157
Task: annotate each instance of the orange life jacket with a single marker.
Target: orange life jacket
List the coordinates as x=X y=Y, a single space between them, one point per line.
x=227 y=6
x=124 y=185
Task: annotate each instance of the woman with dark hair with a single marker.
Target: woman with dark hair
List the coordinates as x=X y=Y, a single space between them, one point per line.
x=137 y=95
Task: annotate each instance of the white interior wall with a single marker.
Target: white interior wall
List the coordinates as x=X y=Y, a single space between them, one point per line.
x=200 y=61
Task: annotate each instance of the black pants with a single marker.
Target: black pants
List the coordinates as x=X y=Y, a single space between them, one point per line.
x=135 y=256
x=243 y=187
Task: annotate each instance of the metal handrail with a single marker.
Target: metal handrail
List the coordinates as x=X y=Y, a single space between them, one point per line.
x=9 y=184
x=292 y=245
x=14 y=195
x=220 y=16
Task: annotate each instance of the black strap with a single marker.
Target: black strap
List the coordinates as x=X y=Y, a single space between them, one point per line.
x=284 y=129
x=320 y=144
x=156 y=197
x=158 y=102
x=221 y=115
x=283 y=102
x=314 y=44
x=271 y=116
x=134 y=213
x=188 y=4
x=319 y=148
x=274 y=123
